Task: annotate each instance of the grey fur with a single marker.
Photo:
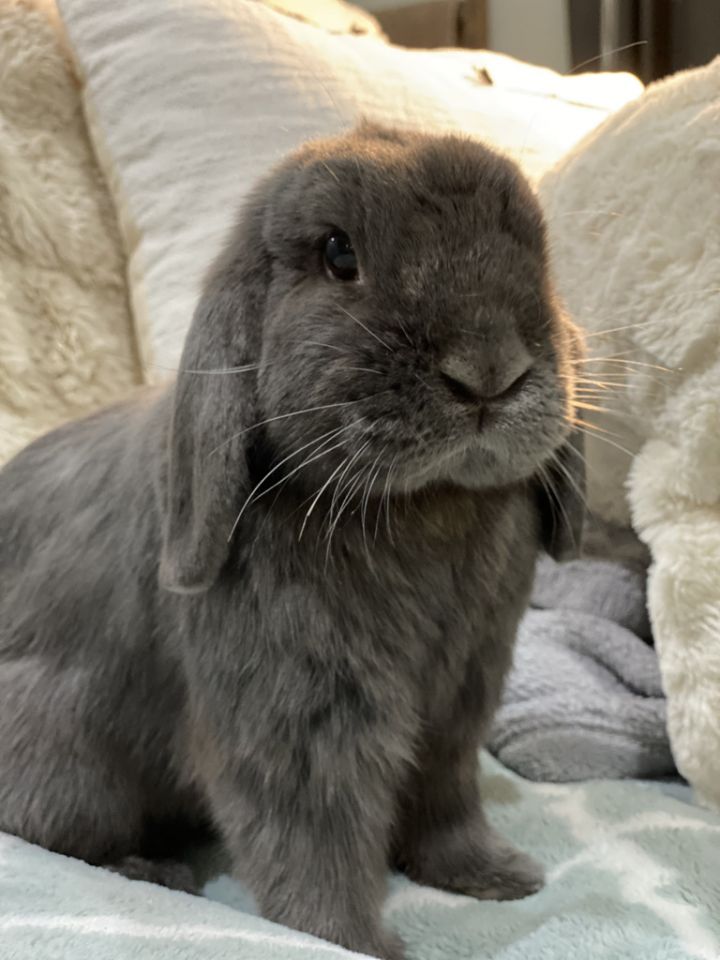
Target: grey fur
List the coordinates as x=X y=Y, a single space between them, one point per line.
x=171 y=653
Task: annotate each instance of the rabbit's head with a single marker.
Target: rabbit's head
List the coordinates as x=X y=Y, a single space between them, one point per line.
x=385 y=306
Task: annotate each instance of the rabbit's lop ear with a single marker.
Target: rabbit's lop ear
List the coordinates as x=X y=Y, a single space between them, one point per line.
x=561 y=500
x=205 y=475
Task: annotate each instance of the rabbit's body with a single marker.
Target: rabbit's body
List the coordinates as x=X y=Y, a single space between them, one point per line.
x=91 y=692
x=318 y=677
x=401 y=644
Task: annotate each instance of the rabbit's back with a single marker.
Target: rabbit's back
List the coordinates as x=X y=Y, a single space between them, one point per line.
x=91 y=698
x=77 y=514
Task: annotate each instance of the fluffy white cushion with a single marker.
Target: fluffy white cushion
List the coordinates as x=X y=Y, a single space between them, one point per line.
x=189 y=103
x=635 y=221
x=66 y=343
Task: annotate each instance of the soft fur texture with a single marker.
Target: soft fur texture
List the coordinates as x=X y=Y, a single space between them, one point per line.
x=635 y=227
x=330 y=653
x=66 y=342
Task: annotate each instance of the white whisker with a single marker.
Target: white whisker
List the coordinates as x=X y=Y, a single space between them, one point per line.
x=219 y=371
x=387 y=494
x=338 y=491
x=366 y=329
x=284 y=416
x=331 y=434
x=320 y=492
x=350 y=485
x=591 y=432
x=366 y=496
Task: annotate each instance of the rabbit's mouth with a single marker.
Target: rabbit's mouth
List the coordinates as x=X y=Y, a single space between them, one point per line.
x=475 y=445
x=488 y=459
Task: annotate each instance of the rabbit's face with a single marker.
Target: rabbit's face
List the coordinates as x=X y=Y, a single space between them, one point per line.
x=410 y=317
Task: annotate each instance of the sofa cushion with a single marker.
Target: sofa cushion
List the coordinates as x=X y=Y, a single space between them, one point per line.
x=190 y=103
x=66 y=339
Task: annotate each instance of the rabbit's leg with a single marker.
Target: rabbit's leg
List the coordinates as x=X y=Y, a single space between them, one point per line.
x=59 y=788
x=443 y=839
x=311 y=842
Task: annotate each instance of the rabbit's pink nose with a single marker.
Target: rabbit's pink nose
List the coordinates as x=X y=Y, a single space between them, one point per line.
x=471 y=386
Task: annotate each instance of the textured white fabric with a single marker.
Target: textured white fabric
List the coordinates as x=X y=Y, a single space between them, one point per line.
x=66 y=344
x=634 y=217
x=190 y=102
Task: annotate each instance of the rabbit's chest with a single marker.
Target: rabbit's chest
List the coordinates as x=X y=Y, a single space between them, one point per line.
x=438 y=607
x=400 y=627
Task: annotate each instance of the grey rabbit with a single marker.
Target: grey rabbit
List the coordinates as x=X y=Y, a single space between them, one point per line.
x=280 y=595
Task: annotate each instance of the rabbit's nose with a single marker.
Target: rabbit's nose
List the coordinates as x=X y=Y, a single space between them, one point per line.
x=471 y=385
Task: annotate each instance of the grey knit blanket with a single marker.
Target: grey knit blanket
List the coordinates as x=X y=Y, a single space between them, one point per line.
x=584 y=698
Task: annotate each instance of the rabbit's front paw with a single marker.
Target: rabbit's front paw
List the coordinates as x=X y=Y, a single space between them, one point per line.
x=509 y=877
x=477 y=862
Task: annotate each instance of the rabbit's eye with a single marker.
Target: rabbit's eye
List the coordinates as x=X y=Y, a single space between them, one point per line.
x=339 y=257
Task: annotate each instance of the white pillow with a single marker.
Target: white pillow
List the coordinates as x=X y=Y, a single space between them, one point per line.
x=190 y=102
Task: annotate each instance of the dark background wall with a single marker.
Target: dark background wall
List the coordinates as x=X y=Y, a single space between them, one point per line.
x=677 y=34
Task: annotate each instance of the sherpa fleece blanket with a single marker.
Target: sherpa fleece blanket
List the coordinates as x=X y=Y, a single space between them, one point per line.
x=632 y=872
x=65 y=330
x=634 y=215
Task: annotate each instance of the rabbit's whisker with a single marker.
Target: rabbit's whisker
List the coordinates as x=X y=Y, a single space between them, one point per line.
x=312 y=495
x=319 y=493
x=629 y=326
x=582 y=404
x=319 y=343
x=372 y=475
x=213 y=372
x=600 y=56
x=330 y=171
x=383 y=501
x=388 y=492
x=326 y=437
x=350 y=485
x=579 y=422
x=553 y=497
x=316 y=454
x=340 y=482
x=407 y=336
x=284 y=416
x=362 y=369
x=590 y=393
x=591 y=376
x=615 y=378
x=608 y=380
x=340 y=485
x=594 y=386
x=366 y=329
x=627 y=363
x=559 y=465
x=593 y=434
x=591 y=210
x=551 y=493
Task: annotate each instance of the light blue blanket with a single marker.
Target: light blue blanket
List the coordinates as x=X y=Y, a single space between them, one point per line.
x=633 y=874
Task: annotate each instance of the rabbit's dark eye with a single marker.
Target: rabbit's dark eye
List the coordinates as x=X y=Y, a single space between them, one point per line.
x=339 y=256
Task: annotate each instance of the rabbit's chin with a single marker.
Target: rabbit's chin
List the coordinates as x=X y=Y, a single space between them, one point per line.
x=473 y=467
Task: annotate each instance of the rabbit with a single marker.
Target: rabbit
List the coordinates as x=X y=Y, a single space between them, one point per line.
x=278 y=596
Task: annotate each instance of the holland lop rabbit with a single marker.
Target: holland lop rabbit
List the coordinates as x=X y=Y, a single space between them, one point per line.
x=280 y=596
